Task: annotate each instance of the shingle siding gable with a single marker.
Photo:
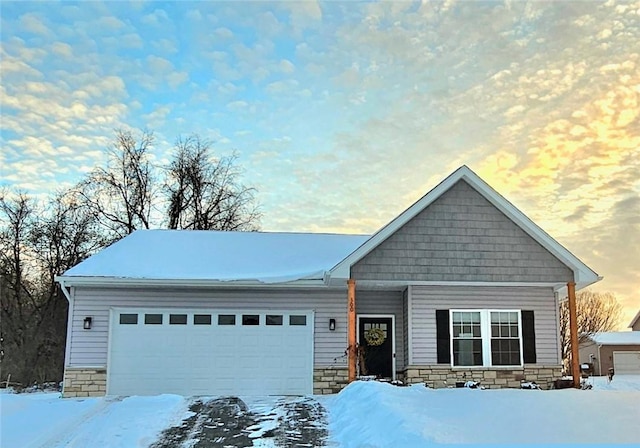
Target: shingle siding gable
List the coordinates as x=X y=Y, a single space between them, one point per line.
x=461 y=236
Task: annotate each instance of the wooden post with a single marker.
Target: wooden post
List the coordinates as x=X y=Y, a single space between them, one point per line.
x=351 y=340
x=573 y=330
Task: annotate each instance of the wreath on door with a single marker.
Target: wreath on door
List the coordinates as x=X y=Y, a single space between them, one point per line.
x=374 y=336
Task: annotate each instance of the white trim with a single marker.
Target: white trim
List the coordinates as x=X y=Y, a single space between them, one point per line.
x=393 y=336
x=95 y=366
x=485 y=336
x=634 y=320
x=409 y=340
x=400 y=283
x=583 y=275
x=112 y=314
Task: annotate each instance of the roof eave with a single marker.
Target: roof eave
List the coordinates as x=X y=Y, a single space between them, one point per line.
x=196 y=283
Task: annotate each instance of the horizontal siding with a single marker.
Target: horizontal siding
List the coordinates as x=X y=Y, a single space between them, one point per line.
x=385 y=302
x=425 y=300
x=89 y=347
x=461 y=236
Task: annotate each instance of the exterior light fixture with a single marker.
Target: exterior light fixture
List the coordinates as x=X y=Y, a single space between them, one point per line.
x=332 y=324
x=87 y=323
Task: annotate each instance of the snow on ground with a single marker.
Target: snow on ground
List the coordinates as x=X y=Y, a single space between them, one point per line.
x=364 y=415
x=620 y=382
x=45 y=420
x=371 y=414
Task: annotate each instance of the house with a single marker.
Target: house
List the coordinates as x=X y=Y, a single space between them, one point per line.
x=635 y=323
x=619 y=350
x=460 y=286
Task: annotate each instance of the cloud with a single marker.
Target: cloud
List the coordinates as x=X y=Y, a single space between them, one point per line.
x=62 y=49
x=111 y=23
x=156 y=18
x=158 y=65
x=286 y=66
x=347 y=113
x=32 y=24
x=224 y=33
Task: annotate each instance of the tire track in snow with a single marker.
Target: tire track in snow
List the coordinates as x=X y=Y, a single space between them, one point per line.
x=60 y=434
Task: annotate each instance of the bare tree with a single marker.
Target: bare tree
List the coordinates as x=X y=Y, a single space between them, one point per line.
x=204 y=193
x=121 y=195
x=18 y=298
x=36 y=244
x=595 y=311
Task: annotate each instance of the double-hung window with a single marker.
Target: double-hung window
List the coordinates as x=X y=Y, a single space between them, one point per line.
x=467 y=338
x=486 y=338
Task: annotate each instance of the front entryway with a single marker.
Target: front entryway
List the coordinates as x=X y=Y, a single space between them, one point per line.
x=376 y=342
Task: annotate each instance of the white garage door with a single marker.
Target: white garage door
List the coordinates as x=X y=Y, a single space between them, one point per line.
x=626 y=363
x=210 y=352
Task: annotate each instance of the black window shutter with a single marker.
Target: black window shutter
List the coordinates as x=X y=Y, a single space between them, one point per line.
x=528 y=337
x=442 y=336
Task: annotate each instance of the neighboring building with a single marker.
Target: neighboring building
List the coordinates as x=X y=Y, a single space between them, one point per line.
x=460 y=286
x=619 y=350
x=635 y=323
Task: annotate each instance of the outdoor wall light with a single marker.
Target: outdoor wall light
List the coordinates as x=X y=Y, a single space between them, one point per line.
x=332 y=324
x=87 y=323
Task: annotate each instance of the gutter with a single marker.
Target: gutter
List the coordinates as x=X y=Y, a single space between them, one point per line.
x=200 y=283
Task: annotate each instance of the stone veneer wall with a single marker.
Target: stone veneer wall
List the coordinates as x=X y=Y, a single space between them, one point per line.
x=441 y=376
x=329 y=380
x=84 y=382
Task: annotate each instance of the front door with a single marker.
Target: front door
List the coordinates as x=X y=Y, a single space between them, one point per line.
x=376 y=346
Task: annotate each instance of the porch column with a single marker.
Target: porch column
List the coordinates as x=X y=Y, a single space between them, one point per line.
x=573 y=330
x=351 y=339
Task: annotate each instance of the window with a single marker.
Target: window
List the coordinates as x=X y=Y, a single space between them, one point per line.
x=128 y=319
x=177 y=319
x=202 y=319
x=153 y=319
x=226 y=319
x=486 y=338
x=467 y=338
x=297 y=320
x=274 y=319
x=250 y=319
x=505 y=338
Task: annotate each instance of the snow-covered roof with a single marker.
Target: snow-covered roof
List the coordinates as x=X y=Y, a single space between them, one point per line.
x=617 y=338
x=217 y=256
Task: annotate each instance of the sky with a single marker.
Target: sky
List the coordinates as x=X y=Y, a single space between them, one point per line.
x=345 y=113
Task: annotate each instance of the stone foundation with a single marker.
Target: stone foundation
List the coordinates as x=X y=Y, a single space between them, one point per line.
x=329 y=380
x=436 y=376
x=84 y=382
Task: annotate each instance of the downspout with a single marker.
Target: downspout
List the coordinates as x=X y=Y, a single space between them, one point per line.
x=67 y=350
x=599 y=361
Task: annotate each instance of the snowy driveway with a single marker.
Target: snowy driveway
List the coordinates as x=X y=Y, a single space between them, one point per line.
x=43 y=420
x=230 y=422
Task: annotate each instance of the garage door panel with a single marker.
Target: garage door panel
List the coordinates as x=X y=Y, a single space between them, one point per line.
x=211 y=359
x=626 y=363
